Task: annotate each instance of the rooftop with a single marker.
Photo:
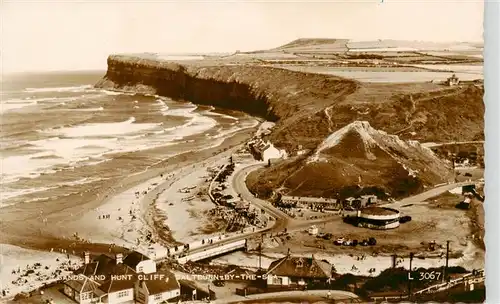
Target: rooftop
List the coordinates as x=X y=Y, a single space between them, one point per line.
x=167 y=283
x=309 y=199
x=300 y=267
x=378 y=211
x=134 y=258
x=104 y=265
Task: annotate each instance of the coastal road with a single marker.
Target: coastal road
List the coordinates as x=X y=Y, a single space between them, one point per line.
x=285 y=221
x=282 y=220
x=431 y=193
x=433 y=145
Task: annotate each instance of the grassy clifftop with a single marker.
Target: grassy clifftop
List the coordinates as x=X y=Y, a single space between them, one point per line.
x=307 y=108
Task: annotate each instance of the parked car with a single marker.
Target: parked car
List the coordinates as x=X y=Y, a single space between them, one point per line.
x=339 y=241
x=364 y=243
x=372 y=241
x=327 y=236
x=405 y=219
x=219 y=283
x=354 y=243
x=347 y=243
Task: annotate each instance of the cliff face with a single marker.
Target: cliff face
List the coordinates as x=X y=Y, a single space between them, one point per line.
x=273 y=94
x=307 y=108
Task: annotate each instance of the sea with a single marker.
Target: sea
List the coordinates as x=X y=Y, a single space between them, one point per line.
x=60 y=136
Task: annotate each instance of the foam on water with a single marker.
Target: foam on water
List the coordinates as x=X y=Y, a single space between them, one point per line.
x=163 y=107
x=78 y=148
x=220 y=115
x=6 y=107
x=19 y=103
x=9 y=193
x=80 y=88
x=70 y=145
x=104 y=129
x=89 y=109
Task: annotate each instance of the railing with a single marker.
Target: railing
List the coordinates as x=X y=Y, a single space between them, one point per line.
x=212 y=252
x=479 y=277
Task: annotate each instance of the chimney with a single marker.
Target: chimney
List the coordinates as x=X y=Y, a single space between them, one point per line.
x=119 y=258
x=288 y=253
x=86 y=258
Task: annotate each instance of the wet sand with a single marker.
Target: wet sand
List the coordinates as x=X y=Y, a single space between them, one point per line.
x=25 y=225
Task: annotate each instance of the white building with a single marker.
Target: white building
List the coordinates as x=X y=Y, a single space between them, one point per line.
x=157 y=291
x=266 y=150
x=453 y=80
x=140 y=263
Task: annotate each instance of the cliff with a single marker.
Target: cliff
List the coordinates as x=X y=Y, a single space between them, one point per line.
x=274 y=94
x=307 y=107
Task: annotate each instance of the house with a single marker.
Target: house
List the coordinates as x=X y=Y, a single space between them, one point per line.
x=265 y=150
x=453 y=80
x=298 y=271
x=360 y=202
x=117 y=280
x=82 y=289
x=157 y=289
x=140 y=263
x=118 y=289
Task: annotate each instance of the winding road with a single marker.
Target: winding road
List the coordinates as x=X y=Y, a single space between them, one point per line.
x=284 y=221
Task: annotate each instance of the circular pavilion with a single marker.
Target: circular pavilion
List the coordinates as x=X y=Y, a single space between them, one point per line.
x=378 y=218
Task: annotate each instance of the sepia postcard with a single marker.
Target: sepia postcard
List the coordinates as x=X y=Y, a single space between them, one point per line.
x=242 y=152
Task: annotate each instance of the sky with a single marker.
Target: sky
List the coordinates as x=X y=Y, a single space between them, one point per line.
x=73 y=35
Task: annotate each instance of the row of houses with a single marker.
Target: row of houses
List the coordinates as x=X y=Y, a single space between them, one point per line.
x=327 y=203
x=133 y=279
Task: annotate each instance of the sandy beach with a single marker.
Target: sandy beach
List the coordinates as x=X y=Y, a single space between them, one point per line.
x=85 y=227
x=141 y=217
x=126 y=216
x=24 y=270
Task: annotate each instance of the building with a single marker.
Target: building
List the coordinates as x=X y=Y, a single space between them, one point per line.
x=360 y=202
x=313 y=230
x=157 y=290
x=298 y=271
x=82 y=290
x=265 y=151
x=378 y=218
x=452 y=81
x=310 y=202
x=117 y=280
x=140 y=263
